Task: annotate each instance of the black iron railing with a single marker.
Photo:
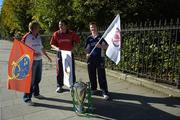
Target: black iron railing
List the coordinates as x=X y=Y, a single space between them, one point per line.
x=152 y=50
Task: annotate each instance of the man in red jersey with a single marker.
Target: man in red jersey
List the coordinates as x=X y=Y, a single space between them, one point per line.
x=63 y=39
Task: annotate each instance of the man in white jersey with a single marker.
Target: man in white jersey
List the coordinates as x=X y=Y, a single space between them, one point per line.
x=33 y=40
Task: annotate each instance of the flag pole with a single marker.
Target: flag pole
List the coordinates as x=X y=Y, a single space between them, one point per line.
x=95 y=46
x=110 y=27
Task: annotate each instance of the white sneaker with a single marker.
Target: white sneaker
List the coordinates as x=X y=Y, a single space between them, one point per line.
x=39 y=97
x=106 y=97
x=59 y=90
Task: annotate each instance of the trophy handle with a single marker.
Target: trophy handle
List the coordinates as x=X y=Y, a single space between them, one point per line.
x=72 y=94
x=89 y=98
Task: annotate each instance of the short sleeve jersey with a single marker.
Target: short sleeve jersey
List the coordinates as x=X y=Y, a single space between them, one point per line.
x=64 y=41
x=35 y=43
x=90 y=44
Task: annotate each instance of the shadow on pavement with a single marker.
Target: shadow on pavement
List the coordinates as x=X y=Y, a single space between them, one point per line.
x=125 y=107
x=135 y=107
x=57 y=100
x=59 y=107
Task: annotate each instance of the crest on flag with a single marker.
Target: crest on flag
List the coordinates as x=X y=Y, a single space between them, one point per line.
x=116 y=38
x=20 y=68
x=67 y=67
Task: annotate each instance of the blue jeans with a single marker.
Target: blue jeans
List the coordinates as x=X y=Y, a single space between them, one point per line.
x=36 y=78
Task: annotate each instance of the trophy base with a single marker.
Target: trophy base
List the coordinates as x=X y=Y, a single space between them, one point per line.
x=82 y=100
x=87 y=112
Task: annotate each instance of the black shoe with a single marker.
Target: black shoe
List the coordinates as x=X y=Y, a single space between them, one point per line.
x=29 y=103
x=39 y=97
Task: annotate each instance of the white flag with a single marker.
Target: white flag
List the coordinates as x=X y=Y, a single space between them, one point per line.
x=113 y=37
x=67 y=67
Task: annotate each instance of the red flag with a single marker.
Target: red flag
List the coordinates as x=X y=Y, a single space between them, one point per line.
x=20 y=67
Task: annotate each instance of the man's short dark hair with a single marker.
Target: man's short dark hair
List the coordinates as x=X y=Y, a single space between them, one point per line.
x=93 y=23
x=65 y=22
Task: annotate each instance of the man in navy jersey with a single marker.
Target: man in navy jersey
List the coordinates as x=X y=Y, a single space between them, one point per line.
x=96 y=61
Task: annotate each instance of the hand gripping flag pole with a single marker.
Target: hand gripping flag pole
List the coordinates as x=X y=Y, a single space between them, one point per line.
x=113 y=37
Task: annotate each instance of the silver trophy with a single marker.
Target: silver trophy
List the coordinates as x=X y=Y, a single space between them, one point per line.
x=79 y=91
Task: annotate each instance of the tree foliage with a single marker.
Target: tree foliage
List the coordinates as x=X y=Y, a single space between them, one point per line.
x=16 y=14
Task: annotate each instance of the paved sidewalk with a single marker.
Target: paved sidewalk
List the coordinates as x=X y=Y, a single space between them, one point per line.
x=129 y=102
